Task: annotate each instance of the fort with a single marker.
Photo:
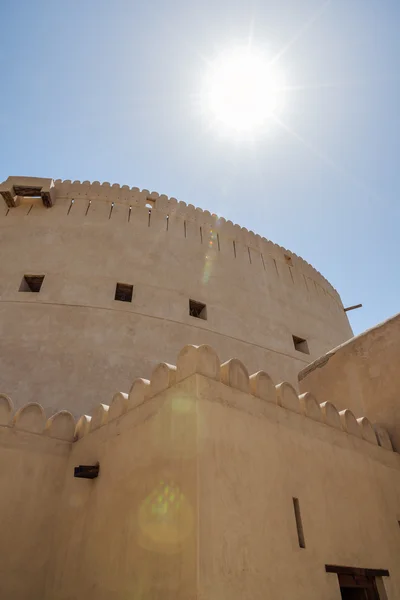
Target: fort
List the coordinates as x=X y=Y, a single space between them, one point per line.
x=90 y=244
x=184 y=411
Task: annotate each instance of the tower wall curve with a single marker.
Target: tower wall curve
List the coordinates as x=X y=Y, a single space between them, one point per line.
x=73 y=344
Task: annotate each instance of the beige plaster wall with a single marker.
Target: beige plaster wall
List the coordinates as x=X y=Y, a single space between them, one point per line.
x=363 y=374
x=73 y=345
x=238 y=451
x=32 y=469
x=251 y=465
x=133 y=532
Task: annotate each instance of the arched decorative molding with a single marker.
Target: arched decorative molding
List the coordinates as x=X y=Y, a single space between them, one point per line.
x=82 y=426
x=235 y=374
x=138 y=393
x=197 y=359
x=367 y=430
x=349 y=423
x=262 y=386
x=286 y=396
x=118 y=406
x=383 y=437
x=99 y=417
x=162 y=378
x=310 y=407
x=330 y=415
x=30 y=417
x=61 y=426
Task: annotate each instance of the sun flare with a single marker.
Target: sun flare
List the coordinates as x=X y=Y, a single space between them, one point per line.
x=243 y=90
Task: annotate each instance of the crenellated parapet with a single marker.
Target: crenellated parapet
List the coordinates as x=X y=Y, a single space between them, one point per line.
x=116 y=202
x=31 y=418
x=204 y=361
x=230 y=377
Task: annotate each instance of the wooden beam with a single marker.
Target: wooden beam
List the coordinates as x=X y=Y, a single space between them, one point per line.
x=356 y=571
x=353 y=307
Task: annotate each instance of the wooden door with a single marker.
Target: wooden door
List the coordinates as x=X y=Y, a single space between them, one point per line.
x=358 y=587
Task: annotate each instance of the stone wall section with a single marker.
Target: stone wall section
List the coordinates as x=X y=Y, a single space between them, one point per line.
x=75 y=335
x=88 y=538
x=192 y=360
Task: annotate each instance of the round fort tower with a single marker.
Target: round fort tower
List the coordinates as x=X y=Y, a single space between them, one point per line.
x=99 y=283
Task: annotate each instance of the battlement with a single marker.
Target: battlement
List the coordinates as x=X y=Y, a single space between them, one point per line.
x=230 y=384
x=32 y=418
x=124 y=203
x=200 y=453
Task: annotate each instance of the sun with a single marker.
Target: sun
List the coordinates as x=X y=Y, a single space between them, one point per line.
x=242 y=90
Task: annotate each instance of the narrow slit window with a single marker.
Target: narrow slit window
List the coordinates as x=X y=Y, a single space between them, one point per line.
x=123 y=292
x=31 y=283
x=300 y=345
x=197 y=310
x=299 y=524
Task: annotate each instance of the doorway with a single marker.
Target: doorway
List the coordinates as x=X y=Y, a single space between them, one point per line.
x=356 y=583
x=357 y=588
x=353 y=594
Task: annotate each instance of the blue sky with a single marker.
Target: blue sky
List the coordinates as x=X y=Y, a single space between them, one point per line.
x=109 y=91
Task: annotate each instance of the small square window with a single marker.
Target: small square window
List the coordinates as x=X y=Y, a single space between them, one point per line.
x=31 y=283
x=124 y=292
x=300 y=345
x=197 y=310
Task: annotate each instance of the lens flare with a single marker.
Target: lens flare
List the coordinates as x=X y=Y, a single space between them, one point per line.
x=165 y=518
x=212 y=246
